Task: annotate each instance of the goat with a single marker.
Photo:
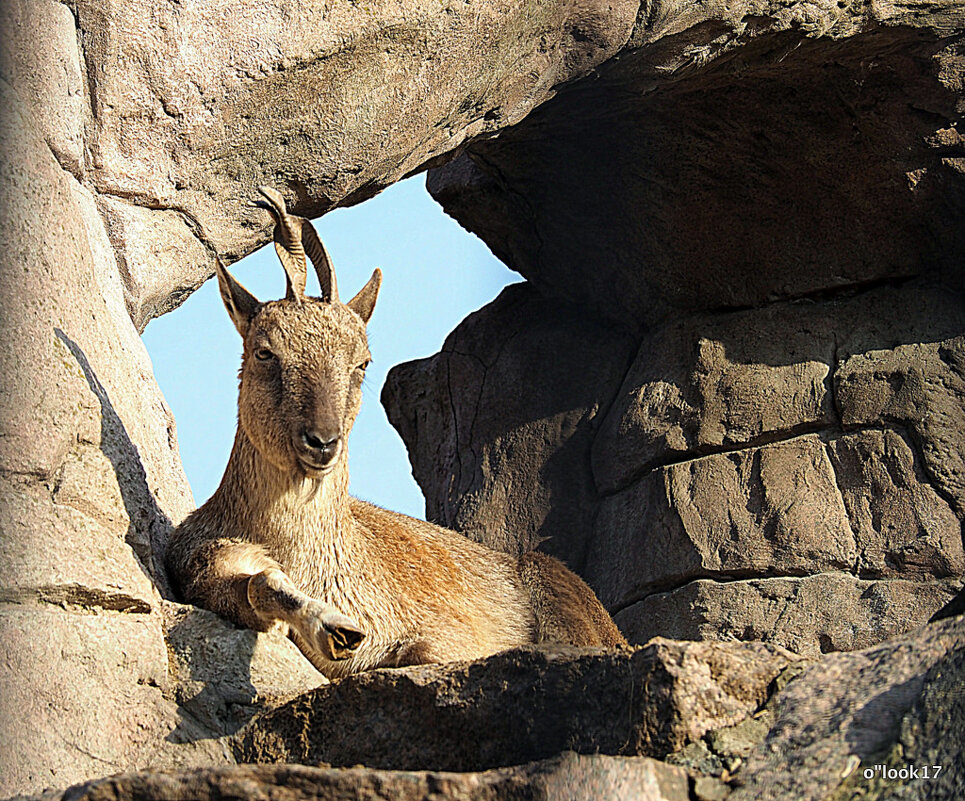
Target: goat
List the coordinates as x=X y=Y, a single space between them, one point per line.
x=281 y=543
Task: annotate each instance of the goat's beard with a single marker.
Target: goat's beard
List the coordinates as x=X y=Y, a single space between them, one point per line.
x=309 y=489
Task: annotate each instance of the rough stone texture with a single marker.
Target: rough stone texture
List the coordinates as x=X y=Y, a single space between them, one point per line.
x=921 y=386
x=329 y=102
x=571 y=776
x=810 y=615
x=82 y=482
x=715 y=382
x=51 y=77
x=507 y=413
x=705 y=472
x=224 y=674
x=748 y=151
x=796 y=507
x=773 y=510
x=899 y=703
x=520 y=706
x=901 y=525
x=160 y=259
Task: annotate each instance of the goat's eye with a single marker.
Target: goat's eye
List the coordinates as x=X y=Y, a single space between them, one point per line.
x=264 y=355
x=363 y=365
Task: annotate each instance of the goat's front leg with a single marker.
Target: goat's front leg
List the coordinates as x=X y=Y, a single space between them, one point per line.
x=316 y=625
x=241 y=581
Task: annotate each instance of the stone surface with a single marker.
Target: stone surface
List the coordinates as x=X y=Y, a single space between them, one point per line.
x=87 y=462
x=716 y=177
x=921 y=386
x=51 y=76
x=764 y=511
x=716 y=382
x=575 y=777
x=899 y=704
x=329 y=102
x=98 y=705
x=857 y=503
x=901 y=525
x=223 y=674
x=810 y=615
x=500 y=423
x=160 y=259
x=520 y=706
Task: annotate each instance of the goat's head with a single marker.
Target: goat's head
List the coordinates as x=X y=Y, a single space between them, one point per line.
x=304 y=358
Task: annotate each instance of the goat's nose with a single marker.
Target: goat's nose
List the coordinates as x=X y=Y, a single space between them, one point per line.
x=323 y=448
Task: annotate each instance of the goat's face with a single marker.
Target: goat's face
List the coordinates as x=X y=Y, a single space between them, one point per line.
x=301 y=382
x=301 y=373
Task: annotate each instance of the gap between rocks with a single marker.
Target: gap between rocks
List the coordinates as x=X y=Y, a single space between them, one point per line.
x=734 y=577
x=78 y=599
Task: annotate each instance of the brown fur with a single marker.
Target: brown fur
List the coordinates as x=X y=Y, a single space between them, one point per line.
x=281 y=542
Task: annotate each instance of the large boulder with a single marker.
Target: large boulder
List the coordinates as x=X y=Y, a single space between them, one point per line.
x=855 y=724
x=521 y=706
x=733 y=154
x=575 y=777
x=192 y=106
x=501 y=423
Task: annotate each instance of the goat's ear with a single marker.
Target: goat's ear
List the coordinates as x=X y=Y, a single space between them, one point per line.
x=364 y=302
x=239 y=302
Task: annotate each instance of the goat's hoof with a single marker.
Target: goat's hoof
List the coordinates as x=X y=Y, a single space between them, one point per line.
x=332 y=634
x=343 y=640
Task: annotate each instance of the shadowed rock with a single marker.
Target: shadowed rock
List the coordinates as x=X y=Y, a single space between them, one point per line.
x=520 y=706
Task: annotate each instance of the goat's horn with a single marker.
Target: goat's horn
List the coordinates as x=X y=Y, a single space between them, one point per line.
x=288 y=241
x=320 y=260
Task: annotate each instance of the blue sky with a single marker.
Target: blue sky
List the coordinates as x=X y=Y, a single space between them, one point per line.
x=435 y=273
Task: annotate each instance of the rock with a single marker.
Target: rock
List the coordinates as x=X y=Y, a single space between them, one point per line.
x=86 y=465
x=330 y=105
x=810 y=615
x=225 y=674
x=717 y=382
x=714 y=179
x=764 y=511
x=580 y=778
x=520 y=706
x=902 y=526
x=857 y=503
x=920 y=386
x=500 y=423
x=159 y=256
x=83 y=690
x=50 y=77
x=898 y=704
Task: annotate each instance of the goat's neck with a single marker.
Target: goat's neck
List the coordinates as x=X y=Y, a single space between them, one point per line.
x=286 y=512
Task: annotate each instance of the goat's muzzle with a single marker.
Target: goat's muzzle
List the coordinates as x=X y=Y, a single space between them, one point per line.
x=317 y=451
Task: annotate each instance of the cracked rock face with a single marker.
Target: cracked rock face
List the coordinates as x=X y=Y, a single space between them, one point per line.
x=768 y=202
x=580 y=778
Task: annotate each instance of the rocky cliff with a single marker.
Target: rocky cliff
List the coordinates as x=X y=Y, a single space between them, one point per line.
x=731 y=393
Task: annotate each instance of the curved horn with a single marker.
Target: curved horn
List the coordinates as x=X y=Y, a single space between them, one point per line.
x=288 y=241
x=321 y=261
